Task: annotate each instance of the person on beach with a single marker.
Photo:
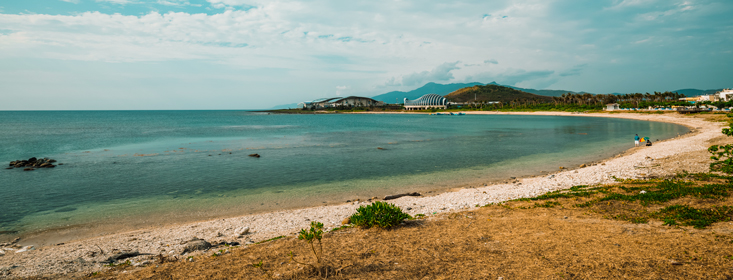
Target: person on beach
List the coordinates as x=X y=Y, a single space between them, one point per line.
x=648 y=141
x=636 y=140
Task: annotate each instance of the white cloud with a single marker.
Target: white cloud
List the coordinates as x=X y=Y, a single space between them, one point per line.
x=491 y=61
x=340 y=90
x=620 y=4
x=442 y=73
x=119 y=2
x=72 y=1
x=173 y=2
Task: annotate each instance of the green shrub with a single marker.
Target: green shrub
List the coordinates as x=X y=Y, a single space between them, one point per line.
x=380 y=214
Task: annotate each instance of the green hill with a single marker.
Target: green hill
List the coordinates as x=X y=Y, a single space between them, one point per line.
x=492 y=92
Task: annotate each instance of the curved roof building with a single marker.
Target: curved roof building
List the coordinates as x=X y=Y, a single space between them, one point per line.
x=427 y=101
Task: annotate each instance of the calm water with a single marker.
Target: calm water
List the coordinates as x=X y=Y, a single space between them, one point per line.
x=148 y=167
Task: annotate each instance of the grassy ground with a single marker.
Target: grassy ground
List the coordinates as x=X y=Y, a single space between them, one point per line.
x=670 y=228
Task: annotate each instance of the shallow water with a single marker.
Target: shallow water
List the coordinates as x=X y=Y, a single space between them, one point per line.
x=138 y=168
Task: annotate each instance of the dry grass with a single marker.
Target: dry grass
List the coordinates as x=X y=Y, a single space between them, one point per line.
x=560 y=242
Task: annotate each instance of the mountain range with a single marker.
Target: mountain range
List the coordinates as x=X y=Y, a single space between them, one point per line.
x=444 y=89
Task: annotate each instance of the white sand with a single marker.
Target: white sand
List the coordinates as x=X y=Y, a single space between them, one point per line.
x=79 y=257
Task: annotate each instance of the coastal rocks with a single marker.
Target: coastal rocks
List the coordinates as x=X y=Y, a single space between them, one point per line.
x=582 y=165
x=32 y=163
x=389 y=197
x=255 y=155
x=562 y=167
x=346 y=221
x=196 y=245
x=2 y=253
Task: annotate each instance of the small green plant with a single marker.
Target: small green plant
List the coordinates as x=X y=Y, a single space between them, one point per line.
x=723 y=154
x=379 y=214
x=260 y=266
x=314 y=234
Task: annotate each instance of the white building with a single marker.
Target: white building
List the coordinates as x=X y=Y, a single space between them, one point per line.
x=612 y=107
x=725 y=95
x=427 y=101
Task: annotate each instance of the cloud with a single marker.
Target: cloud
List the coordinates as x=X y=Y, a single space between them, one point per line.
x=119 y=2
x=174 y=2
x=442 y=73
x=511 y=77
x=629 y=3
x=341 y=89
x=72 y=1
x=574 y=71
x=491 y=61
x=219 y=4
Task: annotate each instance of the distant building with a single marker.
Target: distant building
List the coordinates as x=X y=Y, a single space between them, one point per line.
x=720 y=96
x=333 y=102
x=426 y=102
x=612 y=107
x=725 y=95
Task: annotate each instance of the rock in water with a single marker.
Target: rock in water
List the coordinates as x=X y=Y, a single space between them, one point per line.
x=582 y=165
x=196 y=245
x=254 y=155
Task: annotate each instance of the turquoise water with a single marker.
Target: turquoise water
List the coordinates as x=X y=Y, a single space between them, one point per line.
x=150 y=167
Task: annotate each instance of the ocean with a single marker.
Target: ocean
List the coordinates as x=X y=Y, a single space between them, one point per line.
x=131 y=169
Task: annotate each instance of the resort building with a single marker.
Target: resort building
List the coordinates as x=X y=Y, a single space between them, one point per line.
x=701 y=98
x=334 y=102
x=426 y=102
x=612 y=107
x=725 y=95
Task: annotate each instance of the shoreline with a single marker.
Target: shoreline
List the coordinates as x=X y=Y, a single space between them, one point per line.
x=168 y=240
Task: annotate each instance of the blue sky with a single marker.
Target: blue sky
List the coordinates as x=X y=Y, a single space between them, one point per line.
x=242 y=54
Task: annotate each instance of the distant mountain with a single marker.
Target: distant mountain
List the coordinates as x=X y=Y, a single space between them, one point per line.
x=546 y=92
x=439 y=89
x=492 y=92
x=285 y=106
x=444 y=89
x=696 y=92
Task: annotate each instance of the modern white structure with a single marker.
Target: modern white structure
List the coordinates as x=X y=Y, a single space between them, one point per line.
x=725 y=95
x=612 y=107
x=332 y=102
x=427 y=101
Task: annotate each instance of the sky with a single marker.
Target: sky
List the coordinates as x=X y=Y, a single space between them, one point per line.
x=254 y=54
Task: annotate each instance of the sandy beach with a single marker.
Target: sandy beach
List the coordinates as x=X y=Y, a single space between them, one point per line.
x=78 y=258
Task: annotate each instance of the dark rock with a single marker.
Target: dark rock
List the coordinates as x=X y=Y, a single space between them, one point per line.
x=121 y=256
x=401 y=195
x=32 y=159
x=28 y=169
x=196 y=245
x=254 y=155
x=52 y=160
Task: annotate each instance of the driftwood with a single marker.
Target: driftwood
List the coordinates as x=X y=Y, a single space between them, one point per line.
x=395 y=196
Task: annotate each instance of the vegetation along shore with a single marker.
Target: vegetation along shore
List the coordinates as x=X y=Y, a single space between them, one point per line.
x=590 y=221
